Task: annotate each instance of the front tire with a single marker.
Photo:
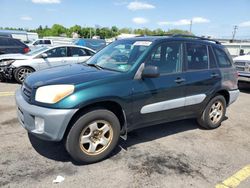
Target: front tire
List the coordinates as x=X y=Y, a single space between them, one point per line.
x=21 y=73
x=214 y=113
x=93 y=136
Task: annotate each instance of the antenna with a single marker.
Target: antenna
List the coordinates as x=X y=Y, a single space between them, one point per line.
x=234 y=32
x=191 y=24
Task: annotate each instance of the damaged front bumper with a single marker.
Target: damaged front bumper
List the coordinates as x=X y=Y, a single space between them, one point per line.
x=6 y=71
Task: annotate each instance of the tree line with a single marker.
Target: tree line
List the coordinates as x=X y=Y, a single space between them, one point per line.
x=103 y=32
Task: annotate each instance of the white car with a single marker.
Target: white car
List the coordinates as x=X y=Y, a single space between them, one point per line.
x=40 y=43
x=20 y=65
x=242 y=64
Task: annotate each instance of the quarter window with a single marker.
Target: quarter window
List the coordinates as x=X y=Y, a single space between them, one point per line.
x=197 y=58
x=167 y=57
x=222 y=58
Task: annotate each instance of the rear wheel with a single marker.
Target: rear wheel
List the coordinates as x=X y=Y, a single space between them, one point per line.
x=214 y=113
x=21 y=73
x=93 y=136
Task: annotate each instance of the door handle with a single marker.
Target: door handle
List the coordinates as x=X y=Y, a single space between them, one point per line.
x=180 y=80
x=214 y=75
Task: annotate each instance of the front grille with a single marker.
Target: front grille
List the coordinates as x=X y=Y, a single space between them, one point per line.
x=240 y=68
x=26 y=91
x=240 y=63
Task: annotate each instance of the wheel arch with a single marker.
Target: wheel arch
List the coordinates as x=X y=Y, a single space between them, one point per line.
x=110 y=105
x=225 y=94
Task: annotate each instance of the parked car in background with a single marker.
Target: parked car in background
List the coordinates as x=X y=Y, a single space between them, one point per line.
x=10 y=45
x=242 y=64
x=18 y=66
x=41 y=42
x=131 y=83
x=95 y=44
x=23 y=36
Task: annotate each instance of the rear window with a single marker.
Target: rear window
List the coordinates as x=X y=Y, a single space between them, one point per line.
x=222 y=58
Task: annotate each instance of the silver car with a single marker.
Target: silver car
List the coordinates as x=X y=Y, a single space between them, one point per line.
x=18 y=66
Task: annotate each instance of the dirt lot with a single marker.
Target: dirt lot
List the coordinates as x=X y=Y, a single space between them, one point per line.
x=177 y=154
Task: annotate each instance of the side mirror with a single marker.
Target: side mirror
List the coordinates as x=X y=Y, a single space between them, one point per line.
x=44 y=55
x=150 y=72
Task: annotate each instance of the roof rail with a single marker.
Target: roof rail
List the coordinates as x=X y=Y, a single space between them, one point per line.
x=196 y=37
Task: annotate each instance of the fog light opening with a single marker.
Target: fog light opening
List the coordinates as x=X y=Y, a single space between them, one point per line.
x=39 y=125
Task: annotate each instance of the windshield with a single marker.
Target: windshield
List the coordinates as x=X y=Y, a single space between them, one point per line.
x=36 y=51
x=120 y=55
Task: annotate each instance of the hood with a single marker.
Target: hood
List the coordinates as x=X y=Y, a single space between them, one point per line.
x=14 y=56
x=242 y=58
x=68 y=74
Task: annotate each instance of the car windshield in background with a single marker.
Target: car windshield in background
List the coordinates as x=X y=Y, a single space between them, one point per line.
x=120 y=55
x=36 y=51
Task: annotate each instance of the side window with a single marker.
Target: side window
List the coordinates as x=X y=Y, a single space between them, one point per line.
x=47 y=42
x=167 y=57
x=90 y=53
x=4 y=42
x=76 y=52
x=57 y=52
x=212 y=62
x=37 y=42
x=222 y=58
x=12 y=42
x=197 y=57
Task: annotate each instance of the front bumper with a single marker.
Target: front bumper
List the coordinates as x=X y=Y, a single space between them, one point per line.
x=7 y=71
x=45 y=123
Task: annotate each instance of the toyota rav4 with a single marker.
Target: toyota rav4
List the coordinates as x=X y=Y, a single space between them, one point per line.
x=131 y=83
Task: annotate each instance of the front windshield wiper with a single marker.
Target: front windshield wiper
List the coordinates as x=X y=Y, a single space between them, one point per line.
x=95 y=65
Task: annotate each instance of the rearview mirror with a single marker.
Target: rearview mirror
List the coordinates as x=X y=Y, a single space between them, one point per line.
x=150 y=72
x=44 y=55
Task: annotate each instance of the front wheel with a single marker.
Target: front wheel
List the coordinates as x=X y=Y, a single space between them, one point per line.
x=214 y=113
x=21 y=73
x=93 y=136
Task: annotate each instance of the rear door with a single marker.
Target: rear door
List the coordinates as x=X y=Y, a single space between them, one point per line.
x=160 y=99
x=202 y=76
x=76 y=55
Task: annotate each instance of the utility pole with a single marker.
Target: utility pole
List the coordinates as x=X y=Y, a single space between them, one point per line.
x=191 y=24
x=234 y=32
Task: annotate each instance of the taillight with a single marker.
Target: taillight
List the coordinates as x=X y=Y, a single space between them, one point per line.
x=237 y=74
x=26 y=50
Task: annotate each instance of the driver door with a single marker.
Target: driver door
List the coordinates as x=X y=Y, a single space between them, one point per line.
x=56 y=57
x=157 y=100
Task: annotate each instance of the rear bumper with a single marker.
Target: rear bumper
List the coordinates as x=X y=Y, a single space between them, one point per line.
x=243 y=76
x=45 y=123
x=233 y=95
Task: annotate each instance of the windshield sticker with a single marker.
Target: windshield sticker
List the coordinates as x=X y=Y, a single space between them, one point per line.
x=142 y=43
x=123 y=67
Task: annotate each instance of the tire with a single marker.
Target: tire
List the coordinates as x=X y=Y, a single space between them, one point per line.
x=214 y=113
x=21 y=73
x=93 y=136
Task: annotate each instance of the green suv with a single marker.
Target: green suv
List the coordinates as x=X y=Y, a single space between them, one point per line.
x=131 y=83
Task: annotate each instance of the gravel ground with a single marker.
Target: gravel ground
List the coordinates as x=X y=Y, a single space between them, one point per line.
x=177 y=154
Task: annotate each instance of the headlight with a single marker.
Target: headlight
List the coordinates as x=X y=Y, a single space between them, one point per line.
x=53 y=93
x=7 y=62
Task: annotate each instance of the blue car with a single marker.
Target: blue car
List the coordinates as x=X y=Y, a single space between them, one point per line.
x=95 y=44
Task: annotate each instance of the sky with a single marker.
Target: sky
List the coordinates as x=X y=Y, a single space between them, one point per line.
x=209 y=17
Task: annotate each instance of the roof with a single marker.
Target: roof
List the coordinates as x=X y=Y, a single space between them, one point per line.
x=176 y=38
